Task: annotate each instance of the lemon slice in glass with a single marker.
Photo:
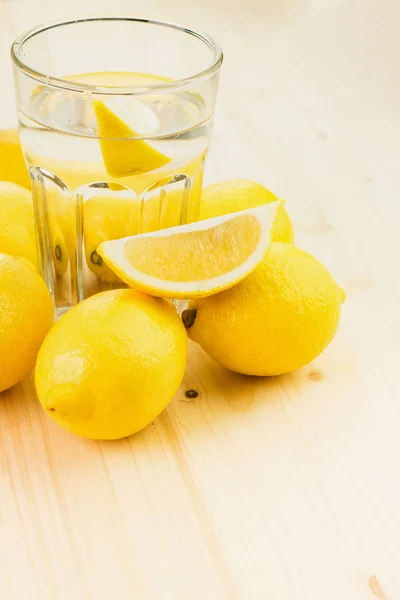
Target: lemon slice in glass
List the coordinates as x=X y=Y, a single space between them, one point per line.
x=195 y=260
x=117 y=124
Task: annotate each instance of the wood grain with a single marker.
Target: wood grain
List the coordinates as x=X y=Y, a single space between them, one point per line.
x=282 y=488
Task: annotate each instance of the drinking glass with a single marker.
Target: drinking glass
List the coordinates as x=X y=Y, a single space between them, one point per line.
x=115 y=118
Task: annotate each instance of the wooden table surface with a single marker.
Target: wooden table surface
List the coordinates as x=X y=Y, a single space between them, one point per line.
x=284 y=488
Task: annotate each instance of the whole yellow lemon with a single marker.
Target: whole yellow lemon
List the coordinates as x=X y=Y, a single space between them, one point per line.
x=26 y=315
x=107 y=218
x=17 y=230
x=112 y=364
x=61 y=229
x=239 y=194
x=12 y=164
x=278 y=319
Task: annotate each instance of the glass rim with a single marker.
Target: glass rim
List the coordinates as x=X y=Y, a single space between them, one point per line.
x=59 y=82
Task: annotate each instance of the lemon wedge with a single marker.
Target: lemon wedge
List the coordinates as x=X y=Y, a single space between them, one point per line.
x=123 y=155
x=194 y=260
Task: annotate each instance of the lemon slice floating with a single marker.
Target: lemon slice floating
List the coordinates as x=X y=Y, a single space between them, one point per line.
x=117 y=124
x=195 y=260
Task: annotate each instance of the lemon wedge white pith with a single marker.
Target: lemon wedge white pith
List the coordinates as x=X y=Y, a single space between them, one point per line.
x=194 y=260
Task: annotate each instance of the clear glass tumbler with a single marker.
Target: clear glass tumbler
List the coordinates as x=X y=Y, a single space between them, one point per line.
x=115 y=121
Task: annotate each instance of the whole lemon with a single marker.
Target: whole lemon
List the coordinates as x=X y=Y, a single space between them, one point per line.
x=60 y=212
x=12 y=164
x=17 y=230
x=112 y=364
x=278 y=319
x=26 y=315
x=239 y=194
x=107 y=218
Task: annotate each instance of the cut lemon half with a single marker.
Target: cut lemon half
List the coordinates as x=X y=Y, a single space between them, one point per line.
x=195 y=260
x=117 y=124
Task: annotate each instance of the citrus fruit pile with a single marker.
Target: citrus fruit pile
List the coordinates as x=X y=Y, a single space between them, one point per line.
x=257 y=304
